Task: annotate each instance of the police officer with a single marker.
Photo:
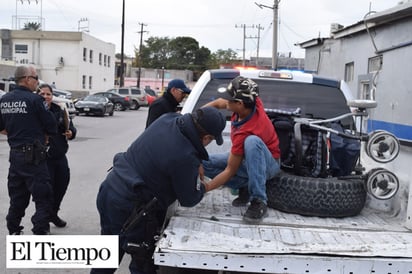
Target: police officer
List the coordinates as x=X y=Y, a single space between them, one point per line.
x=27 y=123
x=57 y=163
x=162 y=165
x=175 y=93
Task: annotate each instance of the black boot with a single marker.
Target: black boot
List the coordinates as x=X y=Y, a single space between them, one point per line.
x=243 y=197
x=58 y=222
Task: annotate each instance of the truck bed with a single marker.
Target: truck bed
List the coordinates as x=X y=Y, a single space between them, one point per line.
x=213 y=236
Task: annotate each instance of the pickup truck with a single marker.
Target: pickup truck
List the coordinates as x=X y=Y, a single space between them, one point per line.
x=212 y=237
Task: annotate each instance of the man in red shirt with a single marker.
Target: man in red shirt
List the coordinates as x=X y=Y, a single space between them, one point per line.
x=254 y=155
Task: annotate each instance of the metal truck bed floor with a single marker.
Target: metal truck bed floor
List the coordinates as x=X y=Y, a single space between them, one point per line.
x=214 y=226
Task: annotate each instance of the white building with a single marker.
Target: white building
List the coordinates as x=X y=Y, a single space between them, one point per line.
x=74 y=61
x=374 y=57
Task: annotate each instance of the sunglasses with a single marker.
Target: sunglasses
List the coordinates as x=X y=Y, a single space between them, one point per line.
x=33 y=77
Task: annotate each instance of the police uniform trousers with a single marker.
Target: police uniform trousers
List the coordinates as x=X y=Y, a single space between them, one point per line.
x=59 y=172
x=114 y=210
x=25 y=180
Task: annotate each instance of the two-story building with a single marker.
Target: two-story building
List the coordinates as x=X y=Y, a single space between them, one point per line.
x=74 y=61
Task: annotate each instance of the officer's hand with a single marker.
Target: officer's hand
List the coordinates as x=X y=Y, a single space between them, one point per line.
x=68 y=133
x=201 y=173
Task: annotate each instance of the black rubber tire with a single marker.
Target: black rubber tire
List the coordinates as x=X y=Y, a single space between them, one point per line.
x=322 y=197
x=134 y=105
x=118 y=107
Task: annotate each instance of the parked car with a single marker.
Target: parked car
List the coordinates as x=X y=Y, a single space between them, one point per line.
x=95 y=104
x=120 y=102
x=62 y=93
x=66 y=104
x=305 y=231
x=7 y=85
x=137 y=95
x=151 y=95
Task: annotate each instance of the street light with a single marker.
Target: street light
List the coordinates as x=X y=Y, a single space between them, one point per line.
x=275 y=9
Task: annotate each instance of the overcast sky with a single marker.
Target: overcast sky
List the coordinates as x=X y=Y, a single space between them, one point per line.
x=215 y=24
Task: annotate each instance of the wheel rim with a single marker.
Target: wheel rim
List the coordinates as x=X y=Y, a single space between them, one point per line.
x=118 y=107
x=133 y=105
x=382 y=184
x=382 y=146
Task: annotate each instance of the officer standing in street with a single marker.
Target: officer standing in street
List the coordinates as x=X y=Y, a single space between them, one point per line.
x=27 y=123
x=174 y=95
x=160 y=167
x=57 y=162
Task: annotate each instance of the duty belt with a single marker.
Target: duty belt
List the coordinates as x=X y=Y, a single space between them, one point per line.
x=21 y=148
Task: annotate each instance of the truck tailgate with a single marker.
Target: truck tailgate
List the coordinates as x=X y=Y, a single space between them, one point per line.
x=214 y=229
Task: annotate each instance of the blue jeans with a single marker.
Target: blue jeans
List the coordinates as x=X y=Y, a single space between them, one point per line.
x=257 y=167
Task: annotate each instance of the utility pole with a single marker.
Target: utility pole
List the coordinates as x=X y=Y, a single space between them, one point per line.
x=257 y=50
x=121 y=72
x=244 y=39
x=140 y=52
x=275 y=9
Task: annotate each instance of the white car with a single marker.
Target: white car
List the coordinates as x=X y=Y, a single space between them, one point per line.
x=66 y=104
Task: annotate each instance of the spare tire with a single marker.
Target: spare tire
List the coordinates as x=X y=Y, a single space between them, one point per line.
x=323 y=197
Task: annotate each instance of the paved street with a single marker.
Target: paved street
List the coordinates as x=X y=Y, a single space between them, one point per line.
x=90 y=156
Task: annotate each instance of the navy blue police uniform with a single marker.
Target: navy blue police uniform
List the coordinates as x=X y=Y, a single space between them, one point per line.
x=57 y=163
x=167 y=171
x=166 y=103
x=27 y=121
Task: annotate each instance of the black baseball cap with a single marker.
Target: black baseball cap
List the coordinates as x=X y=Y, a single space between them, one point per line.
x=212 y=121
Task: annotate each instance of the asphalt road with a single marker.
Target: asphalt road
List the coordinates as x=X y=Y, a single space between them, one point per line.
x=90 y=156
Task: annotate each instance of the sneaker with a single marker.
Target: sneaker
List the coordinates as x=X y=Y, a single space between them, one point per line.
x=242 y=199
x=58 y=222
x=255 y=212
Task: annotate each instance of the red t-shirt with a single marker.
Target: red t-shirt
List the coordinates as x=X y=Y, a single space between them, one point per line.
x=259 y=124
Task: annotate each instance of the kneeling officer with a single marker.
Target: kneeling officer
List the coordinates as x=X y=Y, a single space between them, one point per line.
x=160 y=167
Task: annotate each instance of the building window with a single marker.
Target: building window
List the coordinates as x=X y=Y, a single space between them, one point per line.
x=84 y=54
x=375 y=63
x=90 y=82
x=91 y=56
x=84 y=81
x=349 y=70
x=100 y=59
x=18 y=48
x=365 y=91
x=108 y=61
x=105 y=60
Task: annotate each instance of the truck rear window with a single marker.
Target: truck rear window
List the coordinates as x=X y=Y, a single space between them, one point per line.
x=315 y=101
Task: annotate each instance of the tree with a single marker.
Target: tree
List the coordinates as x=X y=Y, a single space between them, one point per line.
x=32 y=26
x=181 y=53
x=155 y=53
x=221 y=56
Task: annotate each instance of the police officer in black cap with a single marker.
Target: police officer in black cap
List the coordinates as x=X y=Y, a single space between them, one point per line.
x=27 y=123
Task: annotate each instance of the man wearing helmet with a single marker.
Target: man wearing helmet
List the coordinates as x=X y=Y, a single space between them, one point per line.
x=254 y=155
